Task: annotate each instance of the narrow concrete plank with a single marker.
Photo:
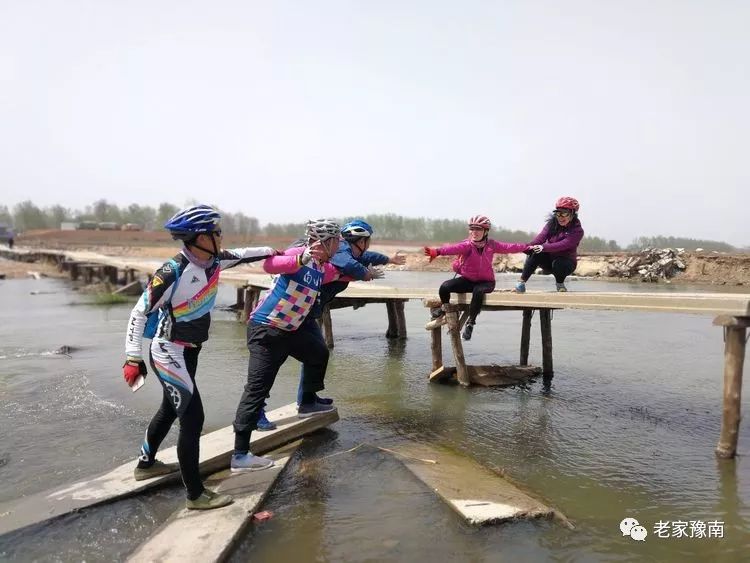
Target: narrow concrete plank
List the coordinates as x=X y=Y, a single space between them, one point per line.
x=479 y=495
x=210 y=535
x=216 y=451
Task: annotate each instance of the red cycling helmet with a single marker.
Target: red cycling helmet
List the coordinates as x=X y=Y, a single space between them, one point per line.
x=480 y=221
x=567 y=202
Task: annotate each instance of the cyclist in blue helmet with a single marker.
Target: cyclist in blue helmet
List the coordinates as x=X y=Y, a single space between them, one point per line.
x=353 y=260
x=181 y=293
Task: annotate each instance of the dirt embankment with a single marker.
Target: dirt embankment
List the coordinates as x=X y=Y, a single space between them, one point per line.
x=706 y=267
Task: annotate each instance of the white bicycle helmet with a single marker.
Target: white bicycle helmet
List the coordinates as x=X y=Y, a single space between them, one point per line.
x=322 y=230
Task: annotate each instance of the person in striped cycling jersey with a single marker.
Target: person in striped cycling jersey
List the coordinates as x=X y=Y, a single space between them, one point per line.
x=182 y=293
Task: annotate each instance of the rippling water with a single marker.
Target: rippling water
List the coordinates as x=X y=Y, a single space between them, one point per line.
x=628 y=430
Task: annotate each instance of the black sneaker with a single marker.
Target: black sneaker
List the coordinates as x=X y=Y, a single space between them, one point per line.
x=436 y=312
x=306 y=411
x=157 y=469
x=468 y=329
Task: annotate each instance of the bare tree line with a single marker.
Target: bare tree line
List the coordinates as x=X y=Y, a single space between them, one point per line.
x=28 y=216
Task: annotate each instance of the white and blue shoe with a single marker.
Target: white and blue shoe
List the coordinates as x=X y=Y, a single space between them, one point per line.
x=249 y=462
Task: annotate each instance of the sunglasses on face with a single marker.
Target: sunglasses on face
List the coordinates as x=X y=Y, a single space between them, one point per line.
x=216 y=232
x=476 y=228
x=562 y=213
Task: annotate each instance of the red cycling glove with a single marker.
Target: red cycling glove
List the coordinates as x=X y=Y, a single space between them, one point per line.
x=131 y=369
x=431 y=252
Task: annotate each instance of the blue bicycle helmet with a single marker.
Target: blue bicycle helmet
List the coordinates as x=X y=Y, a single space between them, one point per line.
x=189 y=223
x=356 y=229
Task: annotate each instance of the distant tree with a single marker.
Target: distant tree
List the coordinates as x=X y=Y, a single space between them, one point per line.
x=27 y=216
x=141 y=215
x=596 y=244
x=102 y=210
x=5 y=216
x=679 y=242
x=57 y=214
x=165 y=212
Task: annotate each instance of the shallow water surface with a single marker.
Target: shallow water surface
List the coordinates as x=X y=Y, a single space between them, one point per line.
x=628 y=430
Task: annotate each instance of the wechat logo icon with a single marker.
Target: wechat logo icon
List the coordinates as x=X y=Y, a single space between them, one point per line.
x=631 y=527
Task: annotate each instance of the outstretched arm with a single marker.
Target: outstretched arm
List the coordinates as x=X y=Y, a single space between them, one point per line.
x=235 y=256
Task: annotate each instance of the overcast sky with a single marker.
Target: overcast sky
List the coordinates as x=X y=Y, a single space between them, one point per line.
x=289 y=110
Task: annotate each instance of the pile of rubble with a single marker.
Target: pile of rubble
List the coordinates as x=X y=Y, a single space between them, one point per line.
x=651 y=265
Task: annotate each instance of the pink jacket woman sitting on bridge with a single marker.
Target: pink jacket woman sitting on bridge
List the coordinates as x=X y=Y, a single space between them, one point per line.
x=474 y=269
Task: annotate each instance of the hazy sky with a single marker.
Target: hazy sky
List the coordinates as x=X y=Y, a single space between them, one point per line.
x=290 y=110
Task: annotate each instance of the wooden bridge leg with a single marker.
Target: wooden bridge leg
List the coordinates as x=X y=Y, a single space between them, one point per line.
x=247 y=304
x=240 y=305
x=327 y=327
x=734 y=358
x=437 y=348
x=392 y=331
x=545 y=320
x=451 y=314
x=398 y=307
x=525 y=336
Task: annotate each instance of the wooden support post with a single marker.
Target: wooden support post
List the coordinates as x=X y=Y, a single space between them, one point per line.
x=392 y=331
x=525 y=336
x=437 y=348
x=400 y=319
x=734 y=358
x=545 y=320
x=327 y=327
x=247 y=304
x=451 y=314
x=240 y=304
x=112 y=274
x=74 y=271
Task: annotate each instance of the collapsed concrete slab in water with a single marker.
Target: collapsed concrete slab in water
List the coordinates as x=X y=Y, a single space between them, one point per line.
x=210 y=535
x=477 y=494
x=216 y=451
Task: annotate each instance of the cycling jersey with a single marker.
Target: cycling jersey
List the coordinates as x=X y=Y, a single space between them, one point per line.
x=294 y=291
x=185 y=313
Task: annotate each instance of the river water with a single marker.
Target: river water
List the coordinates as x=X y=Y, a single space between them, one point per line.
x=628 y=430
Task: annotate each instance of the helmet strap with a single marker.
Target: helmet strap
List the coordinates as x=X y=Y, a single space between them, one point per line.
x=357 y=246
x=214 y=252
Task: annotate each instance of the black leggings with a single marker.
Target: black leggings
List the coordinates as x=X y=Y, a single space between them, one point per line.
x=191 y=425
x=462 y=285
x=269 y=348
x=560 y=266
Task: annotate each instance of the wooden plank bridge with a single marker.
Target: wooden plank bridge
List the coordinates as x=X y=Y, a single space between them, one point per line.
x=730 y=311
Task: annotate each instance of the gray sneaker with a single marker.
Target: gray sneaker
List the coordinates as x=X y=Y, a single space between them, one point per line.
x=306 y=411
x=249 y=462
x=156 y=470
x=561 y=287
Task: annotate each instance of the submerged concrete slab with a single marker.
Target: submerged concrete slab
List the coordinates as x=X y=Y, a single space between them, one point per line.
x=477 y=494
x=210 y=535
x=216 y=451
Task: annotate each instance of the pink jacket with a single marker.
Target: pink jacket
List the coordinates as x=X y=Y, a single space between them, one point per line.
x=475 y=265
x=288 y=263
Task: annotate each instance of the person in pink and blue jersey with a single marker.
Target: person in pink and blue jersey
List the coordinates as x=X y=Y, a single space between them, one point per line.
x=281 y=326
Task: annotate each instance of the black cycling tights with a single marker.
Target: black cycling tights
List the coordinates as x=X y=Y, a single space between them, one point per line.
x=191 y=425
